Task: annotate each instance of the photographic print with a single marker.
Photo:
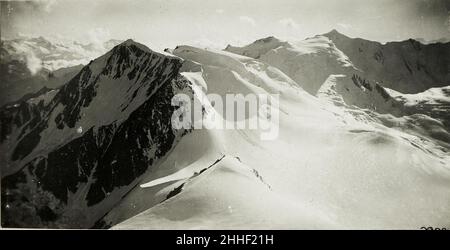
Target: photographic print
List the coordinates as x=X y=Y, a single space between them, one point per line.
x=250 y=114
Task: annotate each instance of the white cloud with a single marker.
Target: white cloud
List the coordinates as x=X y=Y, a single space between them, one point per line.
x=34 y=64
x=61 y=63
x=289 y=23
x=247 y=20
x=220 y=11
x=25 y=53
x=98 y=37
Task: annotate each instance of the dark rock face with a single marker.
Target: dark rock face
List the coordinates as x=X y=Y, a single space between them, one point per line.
x=20 y=113
x=17 y=80
x=358 y=81
x=74 y=184
x=406 y=66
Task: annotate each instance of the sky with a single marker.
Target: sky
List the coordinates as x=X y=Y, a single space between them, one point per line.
x=215 y=23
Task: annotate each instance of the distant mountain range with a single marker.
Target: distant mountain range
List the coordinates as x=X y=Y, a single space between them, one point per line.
x=408 y=66
x=29 y=64
x=364 y=138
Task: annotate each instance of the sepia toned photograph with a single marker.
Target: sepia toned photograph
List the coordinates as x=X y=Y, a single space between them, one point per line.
x=225 y=115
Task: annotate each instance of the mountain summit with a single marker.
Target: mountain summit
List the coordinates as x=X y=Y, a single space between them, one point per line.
x=96 y=136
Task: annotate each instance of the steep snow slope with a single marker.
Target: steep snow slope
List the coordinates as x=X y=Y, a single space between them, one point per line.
x=231 y=74
x=424 y=114
x=229 y=208
x=258 y=48
x=86 y=145
x=307 y=62
x=326 y=169
x=433 y=99
x=361 y=93
x=428 y=110
x=320 y=66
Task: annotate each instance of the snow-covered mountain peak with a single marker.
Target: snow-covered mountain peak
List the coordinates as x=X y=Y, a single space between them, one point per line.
x=334 y=34
x=131 y=43
x=269 y=39
x=303 y=61
x=104 y=92
x=134 y=46
x=128 y=57
x=122 y=79
x=119 y=100
x=258 y=47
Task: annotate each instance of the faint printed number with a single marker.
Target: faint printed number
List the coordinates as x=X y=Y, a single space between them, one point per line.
x=433 y=228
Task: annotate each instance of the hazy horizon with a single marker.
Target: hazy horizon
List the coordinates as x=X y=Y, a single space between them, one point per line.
x=160 y=24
